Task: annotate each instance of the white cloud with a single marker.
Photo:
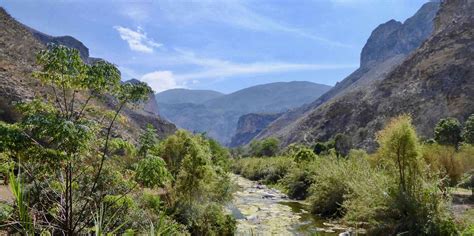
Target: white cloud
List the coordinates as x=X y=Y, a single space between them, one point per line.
x=137 y=39
x=161 y=80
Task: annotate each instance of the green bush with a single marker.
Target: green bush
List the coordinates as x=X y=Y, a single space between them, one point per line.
x=268 y=170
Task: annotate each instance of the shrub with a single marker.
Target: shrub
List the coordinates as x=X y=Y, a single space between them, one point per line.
x=329 y=186
x=264 y=148
x=468 y=131
x=297 y=181
x=304 y=154
x=448 y=132
x=269 y=170
x=342 y=144
x=445 y=161
x=151 y=172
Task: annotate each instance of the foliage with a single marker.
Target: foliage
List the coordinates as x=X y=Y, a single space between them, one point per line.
x=80 y=176
x=468 y=131
x=147 y=140
x=448 y=132
x=446 y=161
x=269 y=170
x=265 y=148
x=151 y=172
x=342 y=144
x=304 y=154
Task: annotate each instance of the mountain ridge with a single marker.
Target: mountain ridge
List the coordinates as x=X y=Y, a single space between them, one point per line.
x=373 y=68
x=218 y=117
x=443 y=63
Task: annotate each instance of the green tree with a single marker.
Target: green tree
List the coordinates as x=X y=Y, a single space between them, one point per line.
x=448 y=132
x=60 y=142
x=468 y=132
x=319 y=148
x=304 y=154
x=151 y=172
x=147 y=140
x=399 y=143
x=342 y=144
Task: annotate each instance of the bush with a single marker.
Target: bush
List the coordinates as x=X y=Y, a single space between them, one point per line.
x=269 y=170
x=151 y=172
x=297 y=182
x=468 y=131
x=329 y=186
x=444 y=160
x=268 y=147
x=448 y=132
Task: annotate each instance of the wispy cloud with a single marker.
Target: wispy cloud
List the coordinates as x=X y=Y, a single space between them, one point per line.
x=137 y=39
x=214 y=69
x=237 y=14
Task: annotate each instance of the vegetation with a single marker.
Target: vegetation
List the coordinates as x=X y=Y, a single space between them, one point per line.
x=448 y=132
x=71 y=172
x=403 y=187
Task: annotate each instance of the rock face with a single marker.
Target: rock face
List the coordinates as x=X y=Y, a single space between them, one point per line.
x=218 y=117
x=249 y=126
x=18 y=48
x=150 y=106
x=387 y=47
x=433 y=82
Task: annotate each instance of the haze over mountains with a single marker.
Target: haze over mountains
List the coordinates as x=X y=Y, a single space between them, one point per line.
x=217 y=114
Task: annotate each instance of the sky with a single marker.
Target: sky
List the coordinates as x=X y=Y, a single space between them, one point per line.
x=222 y=45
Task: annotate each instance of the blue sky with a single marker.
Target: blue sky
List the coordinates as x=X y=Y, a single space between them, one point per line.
x=220 y=45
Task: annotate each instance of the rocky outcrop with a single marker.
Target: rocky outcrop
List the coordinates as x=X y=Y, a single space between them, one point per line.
x=150 y=106
x=249 y=126
x=18 y=48
x=387 y=47
x=433 y=82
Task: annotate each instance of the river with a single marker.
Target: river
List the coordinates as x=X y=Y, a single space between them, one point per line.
x=261 y=210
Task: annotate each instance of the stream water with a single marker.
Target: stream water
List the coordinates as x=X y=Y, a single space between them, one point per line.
x=261 y=210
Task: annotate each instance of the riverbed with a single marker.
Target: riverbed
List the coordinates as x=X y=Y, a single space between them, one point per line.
x=261 y=210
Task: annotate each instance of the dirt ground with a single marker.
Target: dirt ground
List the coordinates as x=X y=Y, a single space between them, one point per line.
x=5 y=194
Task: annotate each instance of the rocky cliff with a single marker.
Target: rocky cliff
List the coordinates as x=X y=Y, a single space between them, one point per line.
x=435 y=81
x=18 y=48
x=250 y=125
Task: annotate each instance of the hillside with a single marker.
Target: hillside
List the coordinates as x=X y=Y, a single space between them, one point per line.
x=443 y=63
x=218 y=117
x=174 y=96
x=18 y=47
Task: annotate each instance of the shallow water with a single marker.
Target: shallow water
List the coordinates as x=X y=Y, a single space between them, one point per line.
x=260 y=210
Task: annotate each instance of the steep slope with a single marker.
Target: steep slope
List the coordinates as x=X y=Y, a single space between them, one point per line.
x=249 y=125
x=218 y=117
x=150 y=106
x=18 y=48
x=388 y=45
x=435 y=81
x=174 y=96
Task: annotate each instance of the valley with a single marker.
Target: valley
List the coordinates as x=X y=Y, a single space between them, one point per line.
x=140 y=140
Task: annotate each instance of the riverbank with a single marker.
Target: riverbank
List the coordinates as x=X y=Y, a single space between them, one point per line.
x=261 y=210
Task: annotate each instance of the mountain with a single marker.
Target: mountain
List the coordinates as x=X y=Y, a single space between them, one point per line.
x=218 y=117
x=387 y=47
x=249 y=125
x=150 y=106
x=18 y=48
x=433 y=81
x=67 y=41
x=174 y=96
